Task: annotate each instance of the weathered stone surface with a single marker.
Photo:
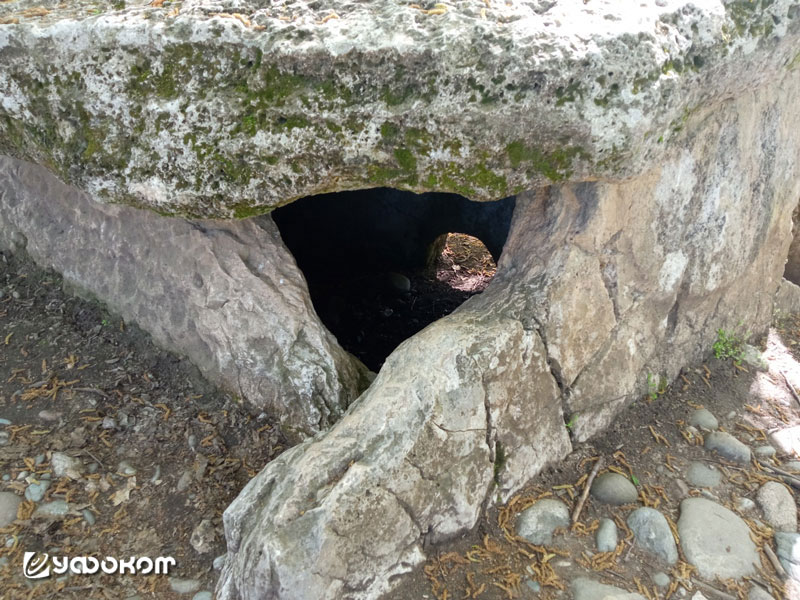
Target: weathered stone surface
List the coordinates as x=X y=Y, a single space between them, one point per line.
x=205 y=114
x=681 y=228
x=786 y=440
x=788 y=551
x=413 y=460
x=227 y=295
x=715 y=540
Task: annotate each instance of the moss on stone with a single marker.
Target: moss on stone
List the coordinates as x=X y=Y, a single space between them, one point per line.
x=389 y=130
x=556 y=165
x=406 y=159
x=568 y=93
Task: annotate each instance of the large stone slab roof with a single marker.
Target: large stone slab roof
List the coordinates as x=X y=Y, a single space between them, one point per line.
x=227 y=109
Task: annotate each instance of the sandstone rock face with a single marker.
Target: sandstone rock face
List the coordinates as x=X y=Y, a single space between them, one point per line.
x=227 y=295
x=211 y=109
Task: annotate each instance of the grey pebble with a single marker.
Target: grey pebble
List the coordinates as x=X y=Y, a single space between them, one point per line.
x=533 y=585
x=64 y=465
x=35 y=491
x=778 y=505
x=661 y=579
x=792 y=465
x=727 y=446
x=613 y=488
x=584 y=588
x=788 y=551
x=185 y=481
x=5 y=437
x=126 y=468
x=653 y=533
x=88 y=516
x=9 y=503
x=702 y=475
x=756 y=593
x=764 y=451
x=6 y=477
x=716 y=540
x=49 y=415
x=5 y=422
x=537 y=523
x=219 y=562
x=703 y=418
x=606 y=536
x=56 y=508
x=184 y=586
x=744 y=504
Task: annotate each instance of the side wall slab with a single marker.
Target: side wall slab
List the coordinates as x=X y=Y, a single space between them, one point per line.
x=226 y=294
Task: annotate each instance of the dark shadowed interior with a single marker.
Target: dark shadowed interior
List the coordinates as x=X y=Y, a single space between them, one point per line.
x=381 y=266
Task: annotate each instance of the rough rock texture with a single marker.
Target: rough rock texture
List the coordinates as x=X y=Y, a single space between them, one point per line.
x=223 y=109
x=414 y=460
x=227 y=295
x=671 y=133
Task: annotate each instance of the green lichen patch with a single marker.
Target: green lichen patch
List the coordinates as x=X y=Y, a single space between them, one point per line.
x=750 y=17
x=556 y=165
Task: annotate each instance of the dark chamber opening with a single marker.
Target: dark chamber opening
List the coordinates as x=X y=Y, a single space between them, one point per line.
x=381 y=266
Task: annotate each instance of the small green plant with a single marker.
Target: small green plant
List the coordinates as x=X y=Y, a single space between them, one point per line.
x=655 y=387
x=728 y=345
x=571 y=423
x=634 y=479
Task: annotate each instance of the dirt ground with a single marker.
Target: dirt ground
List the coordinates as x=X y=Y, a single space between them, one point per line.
x=164 y=451
x=76 y=379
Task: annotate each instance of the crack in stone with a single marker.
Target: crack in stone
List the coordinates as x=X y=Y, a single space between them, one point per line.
x=455 y=430
x=608 y=274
